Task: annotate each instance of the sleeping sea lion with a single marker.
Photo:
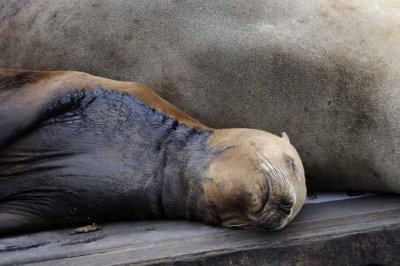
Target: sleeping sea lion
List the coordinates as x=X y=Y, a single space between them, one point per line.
x=77 y=149
x=327 y=71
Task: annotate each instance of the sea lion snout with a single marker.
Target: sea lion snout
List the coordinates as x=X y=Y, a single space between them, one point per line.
x=257 y=179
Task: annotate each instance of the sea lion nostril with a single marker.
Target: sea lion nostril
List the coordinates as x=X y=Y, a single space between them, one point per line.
x=286 y=207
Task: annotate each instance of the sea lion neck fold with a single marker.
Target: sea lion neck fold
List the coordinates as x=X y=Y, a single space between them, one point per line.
x=186 y=158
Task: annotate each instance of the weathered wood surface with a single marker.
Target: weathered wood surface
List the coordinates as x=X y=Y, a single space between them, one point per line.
x=358 y=232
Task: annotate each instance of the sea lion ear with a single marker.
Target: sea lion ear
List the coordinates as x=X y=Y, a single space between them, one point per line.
x=285 y=136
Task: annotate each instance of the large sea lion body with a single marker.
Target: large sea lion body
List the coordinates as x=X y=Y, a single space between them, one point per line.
x=77 y=149
x=325 y=71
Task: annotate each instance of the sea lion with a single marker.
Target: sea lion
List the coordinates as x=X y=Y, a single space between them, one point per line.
x=77 y=149
x=327 y=71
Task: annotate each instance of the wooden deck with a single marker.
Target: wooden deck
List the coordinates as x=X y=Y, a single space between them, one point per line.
x=359 y=231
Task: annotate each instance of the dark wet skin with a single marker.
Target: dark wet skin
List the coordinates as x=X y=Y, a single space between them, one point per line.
x=99 y=156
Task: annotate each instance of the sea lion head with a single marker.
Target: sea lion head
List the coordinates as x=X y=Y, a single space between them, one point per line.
x=255 y=180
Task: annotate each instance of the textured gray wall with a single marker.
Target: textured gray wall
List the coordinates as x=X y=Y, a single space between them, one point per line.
x=326 y=72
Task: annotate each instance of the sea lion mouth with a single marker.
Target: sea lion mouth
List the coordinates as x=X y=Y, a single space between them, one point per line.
x=277 y=215
x=265 y=197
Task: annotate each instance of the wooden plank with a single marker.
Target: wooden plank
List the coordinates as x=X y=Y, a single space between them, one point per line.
x=363 y=230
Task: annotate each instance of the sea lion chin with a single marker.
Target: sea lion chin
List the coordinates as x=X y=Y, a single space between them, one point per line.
x=77 y=149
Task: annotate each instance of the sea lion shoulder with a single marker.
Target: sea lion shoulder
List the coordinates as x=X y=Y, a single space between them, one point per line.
x=25 y=94
x=43 y=82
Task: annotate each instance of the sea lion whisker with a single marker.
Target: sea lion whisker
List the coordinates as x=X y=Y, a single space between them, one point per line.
x=268 y=167
x=275 y=169
x=259 y=153
x=280 y=174
x=265 y=161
